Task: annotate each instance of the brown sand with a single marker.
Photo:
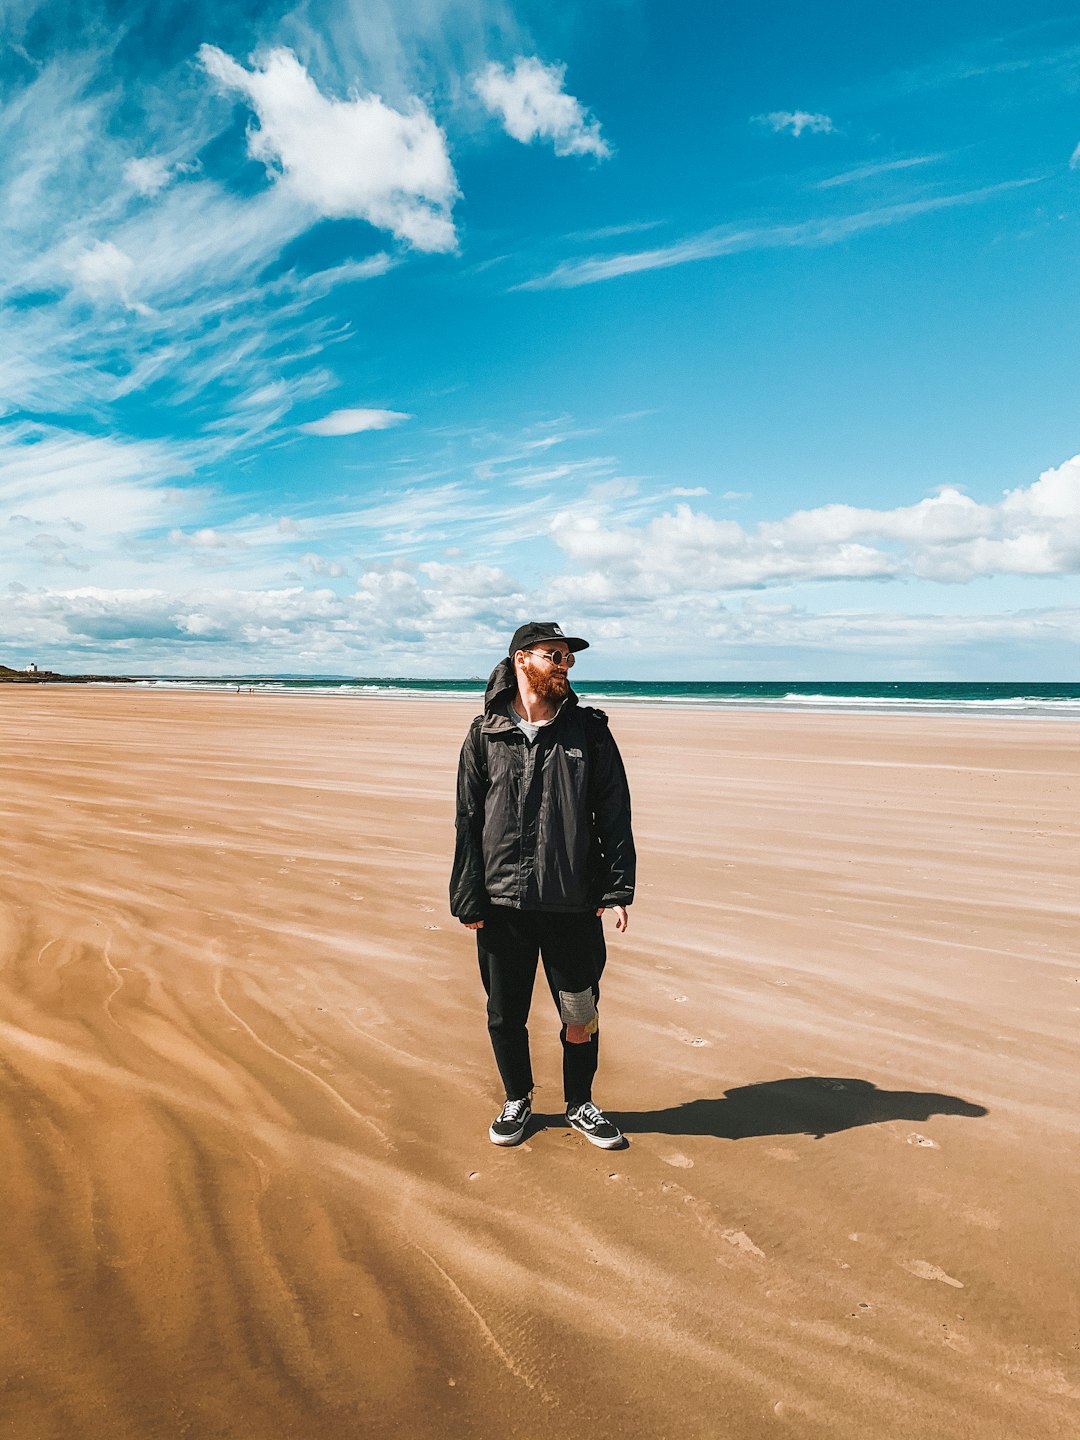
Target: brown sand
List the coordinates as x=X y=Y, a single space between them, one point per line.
x=246 y=1185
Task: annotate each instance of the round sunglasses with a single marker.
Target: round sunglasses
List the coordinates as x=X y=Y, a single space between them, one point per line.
x=557 y=657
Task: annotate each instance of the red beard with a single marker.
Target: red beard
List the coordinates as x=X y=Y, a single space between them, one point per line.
x=546 y=681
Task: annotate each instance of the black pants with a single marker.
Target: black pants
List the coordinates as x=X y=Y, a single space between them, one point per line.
x=573 y=951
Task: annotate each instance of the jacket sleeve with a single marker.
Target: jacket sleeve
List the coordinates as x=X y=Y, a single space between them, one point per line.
x=609 y=796
x=468 y=896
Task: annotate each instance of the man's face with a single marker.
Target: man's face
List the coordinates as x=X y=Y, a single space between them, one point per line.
x=548 y=681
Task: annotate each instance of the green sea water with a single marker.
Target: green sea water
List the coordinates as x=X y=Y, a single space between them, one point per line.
x=946 y=697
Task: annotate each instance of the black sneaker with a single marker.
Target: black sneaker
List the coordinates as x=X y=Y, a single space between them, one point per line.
x=509 y=1127
x=595 y=1125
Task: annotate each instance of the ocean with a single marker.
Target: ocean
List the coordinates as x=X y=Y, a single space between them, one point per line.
x=1050 y=699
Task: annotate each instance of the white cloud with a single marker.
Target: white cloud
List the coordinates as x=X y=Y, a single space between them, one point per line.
x=643 y=579
x=105 y=272
x=532 y=104
x=148 y=174
x=686 y=551
x=1054 y=496
x=270 y=617
x=947 y=537
x=68 y=496
x=945 y=517
x=319 y=565
x=352 y=422
x=53 y=551
x=485 y=581
x=1074 y=159
x=356 y=158
x=796 y=121
x=207 y=538
x=398 y=621
x=437 y=606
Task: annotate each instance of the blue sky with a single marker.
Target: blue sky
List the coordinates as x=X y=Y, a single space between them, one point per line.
x=740 y=338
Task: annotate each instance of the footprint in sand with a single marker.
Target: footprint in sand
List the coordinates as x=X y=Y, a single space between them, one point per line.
x=923 y=1270
x=679 y=1160
x=923 y=1140
x=680 y=999
x=432 y=927
x=686 y=1037
x=428 y=909
x=742 y=1241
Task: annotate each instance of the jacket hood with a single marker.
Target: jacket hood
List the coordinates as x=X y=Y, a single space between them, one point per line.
x=501 y=687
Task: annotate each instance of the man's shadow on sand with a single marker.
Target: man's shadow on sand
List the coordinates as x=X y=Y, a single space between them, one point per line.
x=816 y=1105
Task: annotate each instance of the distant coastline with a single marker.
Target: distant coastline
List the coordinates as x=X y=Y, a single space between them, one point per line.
x=53 y=677
x=1047 y=699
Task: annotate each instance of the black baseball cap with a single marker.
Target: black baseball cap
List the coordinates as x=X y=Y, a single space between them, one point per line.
x=535 y=632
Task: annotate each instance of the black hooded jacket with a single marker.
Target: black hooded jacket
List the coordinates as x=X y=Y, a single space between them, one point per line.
x=544 y=826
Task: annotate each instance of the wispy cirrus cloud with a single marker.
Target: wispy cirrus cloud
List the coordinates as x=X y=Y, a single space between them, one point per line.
x=186 y=264
x=98 y=486
x=711 y=244
x=135 y=278
x=872 y=171
x=77 y=500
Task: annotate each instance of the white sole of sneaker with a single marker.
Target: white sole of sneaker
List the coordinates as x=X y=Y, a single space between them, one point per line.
x=514 y=1139
x=616 y=1144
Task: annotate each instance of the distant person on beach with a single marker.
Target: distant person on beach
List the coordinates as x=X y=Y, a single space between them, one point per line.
x=544 y=847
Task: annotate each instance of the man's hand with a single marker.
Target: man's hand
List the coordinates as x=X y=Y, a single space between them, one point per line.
x=473 y=924
x=622 y=919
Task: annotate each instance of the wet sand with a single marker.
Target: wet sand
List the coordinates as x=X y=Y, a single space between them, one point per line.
x=246 y=1184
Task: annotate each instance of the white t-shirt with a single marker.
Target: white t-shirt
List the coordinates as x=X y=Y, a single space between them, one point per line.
x=530 y=728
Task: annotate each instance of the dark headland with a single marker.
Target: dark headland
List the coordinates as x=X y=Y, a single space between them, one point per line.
x=52 y=677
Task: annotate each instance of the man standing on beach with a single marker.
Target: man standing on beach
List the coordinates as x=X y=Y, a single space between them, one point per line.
x=544 y=847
